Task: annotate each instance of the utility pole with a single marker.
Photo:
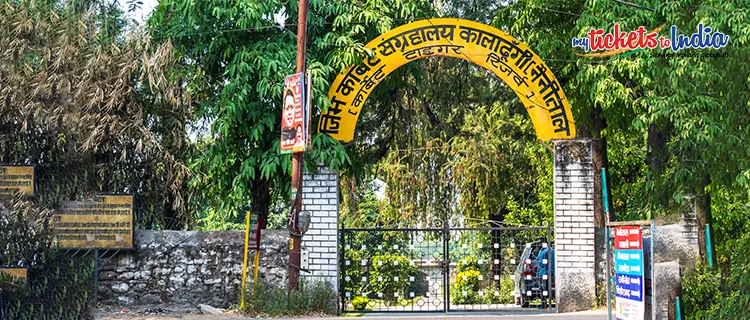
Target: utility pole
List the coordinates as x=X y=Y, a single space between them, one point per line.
x=298 y=160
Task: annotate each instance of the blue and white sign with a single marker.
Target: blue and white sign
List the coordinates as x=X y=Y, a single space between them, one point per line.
x=629 y=289
x=629 y=262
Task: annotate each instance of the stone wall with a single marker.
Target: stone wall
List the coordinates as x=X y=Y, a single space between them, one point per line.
x=320 y=243
x=188 y=267
x=574 y=226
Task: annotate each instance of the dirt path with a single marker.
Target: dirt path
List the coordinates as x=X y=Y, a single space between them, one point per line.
x=158 y=313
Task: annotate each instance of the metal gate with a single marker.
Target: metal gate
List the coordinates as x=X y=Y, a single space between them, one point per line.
x=446 y=269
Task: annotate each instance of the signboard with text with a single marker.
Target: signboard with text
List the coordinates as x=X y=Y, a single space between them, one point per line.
x=14 y=276
x=628 y=259
x=647 y=279
x=253 y=235
x=104 y=223
x=16 y=179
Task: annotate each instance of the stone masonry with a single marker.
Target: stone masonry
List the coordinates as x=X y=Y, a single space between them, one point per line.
x=574 y=226
x=186 y=268
x=320 y=243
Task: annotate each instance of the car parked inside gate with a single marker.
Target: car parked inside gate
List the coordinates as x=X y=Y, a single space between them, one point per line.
x=532 y=277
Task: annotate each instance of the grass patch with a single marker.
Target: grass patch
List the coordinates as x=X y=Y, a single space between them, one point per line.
x=310 y=299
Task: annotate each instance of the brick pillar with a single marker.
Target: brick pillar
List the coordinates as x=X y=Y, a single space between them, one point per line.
x=575 y=280
x=320 y=244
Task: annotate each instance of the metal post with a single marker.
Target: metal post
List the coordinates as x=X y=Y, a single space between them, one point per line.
x=709 y=251
x=298 y=160
x=677 y=309
x=342 y=266
x=96 y=275
x=446 y=267
x=651 y=262
x=608 y=277
x=550 y=272
x=605 y=194
x=244 y=262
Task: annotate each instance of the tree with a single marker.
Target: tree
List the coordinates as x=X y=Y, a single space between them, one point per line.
x=237 y=55
x=92 y=114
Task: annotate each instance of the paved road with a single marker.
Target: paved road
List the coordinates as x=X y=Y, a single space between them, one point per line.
x=588 y=315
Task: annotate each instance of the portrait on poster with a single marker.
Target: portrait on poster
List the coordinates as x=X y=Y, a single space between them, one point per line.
x=293 y=124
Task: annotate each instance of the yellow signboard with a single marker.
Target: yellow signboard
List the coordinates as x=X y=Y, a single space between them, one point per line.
x=104 y=223
x=16 y=179
x=511 y=60
x=14 y=275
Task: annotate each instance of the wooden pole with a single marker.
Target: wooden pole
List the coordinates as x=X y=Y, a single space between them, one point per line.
x=298 y=159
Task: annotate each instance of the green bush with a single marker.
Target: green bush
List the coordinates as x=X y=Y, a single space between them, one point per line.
x=707 y=296
x=360 y=303
x=59 y=284
x=505 y=292
x=466 y=282
x=310 y=298
x=390 y=275
x=701 y=290
x=468 y=263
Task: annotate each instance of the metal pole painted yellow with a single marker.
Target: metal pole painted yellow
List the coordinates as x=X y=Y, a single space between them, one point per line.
x=244 y=263
x=256 y=265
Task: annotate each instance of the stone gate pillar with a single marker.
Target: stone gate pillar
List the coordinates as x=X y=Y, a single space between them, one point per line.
x=320 y=197
x=575 y=277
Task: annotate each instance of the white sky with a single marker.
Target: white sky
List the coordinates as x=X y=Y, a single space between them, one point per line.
x=142 y=14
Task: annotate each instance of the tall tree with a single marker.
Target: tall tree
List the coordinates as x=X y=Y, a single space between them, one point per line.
x=237 y=54
x=92 y=114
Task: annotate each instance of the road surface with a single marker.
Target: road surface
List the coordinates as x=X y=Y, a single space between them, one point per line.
x=587 y=315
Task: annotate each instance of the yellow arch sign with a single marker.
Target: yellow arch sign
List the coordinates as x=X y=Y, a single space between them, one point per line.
x=511 y=60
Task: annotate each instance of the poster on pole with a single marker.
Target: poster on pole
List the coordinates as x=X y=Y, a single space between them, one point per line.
x=106 y=222
x=628 y=259
x=293 y=115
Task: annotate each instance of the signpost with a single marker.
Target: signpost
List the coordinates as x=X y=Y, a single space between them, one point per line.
x=104 y=223
x=252 y=241
x=14 y=276
x=16 y=179
x=648 y=295
x=628 y=257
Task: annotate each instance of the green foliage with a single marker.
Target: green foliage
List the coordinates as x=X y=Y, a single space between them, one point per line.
x=235 y=69
x=468 y=263
x=701 y=290
x=720 y=293
x=58 y=285
x=310 y=298
x=360 y=303
x=505 y=291
x=93 y=113
x=390 y=275
x=466 y=288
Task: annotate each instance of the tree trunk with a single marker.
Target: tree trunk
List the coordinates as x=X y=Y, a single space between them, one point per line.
x=657 y=155
x=497 y=253
x=261 y=200
x=703 y=213
x=601 y=161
